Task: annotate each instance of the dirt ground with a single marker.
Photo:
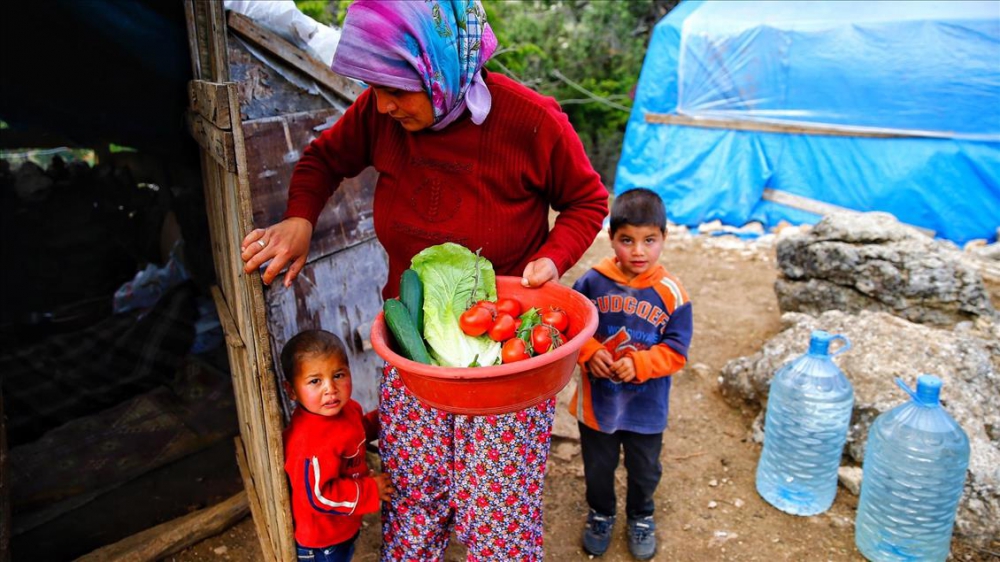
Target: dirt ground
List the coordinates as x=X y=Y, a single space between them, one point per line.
x=707 y=507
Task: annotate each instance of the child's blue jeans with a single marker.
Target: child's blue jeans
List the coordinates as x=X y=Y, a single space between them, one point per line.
x=342 y=552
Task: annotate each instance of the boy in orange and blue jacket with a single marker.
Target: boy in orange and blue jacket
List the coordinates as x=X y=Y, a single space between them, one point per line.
x=623 y=394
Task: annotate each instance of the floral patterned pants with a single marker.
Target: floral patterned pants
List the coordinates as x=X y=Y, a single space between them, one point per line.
x=482 y=475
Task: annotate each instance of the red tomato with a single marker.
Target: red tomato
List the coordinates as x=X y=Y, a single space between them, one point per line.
x=556 y=318
x=510 y=306
x=503 y=328
x=475 y=321
x=514 y=349
x=488 y=305
x=544 y=337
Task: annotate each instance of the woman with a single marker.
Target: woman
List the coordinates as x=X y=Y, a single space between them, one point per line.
x=463 y=156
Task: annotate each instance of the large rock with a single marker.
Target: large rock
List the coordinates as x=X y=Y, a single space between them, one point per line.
x=885 y=347
x=870 y=261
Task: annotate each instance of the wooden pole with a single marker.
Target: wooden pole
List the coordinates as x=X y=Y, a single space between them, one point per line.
x=173 y=536
x=771 y=127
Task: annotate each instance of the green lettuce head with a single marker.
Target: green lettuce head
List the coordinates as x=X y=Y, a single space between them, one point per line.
x=454 y=278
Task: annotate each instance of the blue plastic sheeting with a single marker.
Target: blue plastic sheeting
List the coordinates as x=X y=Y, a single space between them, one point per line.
x=927 y=70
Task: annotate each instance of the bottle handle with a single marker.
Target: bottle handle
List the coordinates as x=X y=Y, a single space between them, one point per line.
x=907 y=389
x=843 y=348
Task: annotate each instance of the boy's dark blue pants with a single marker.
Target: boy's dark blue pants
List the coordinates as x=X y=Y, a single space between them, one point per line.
x=642 y=464
x=342 y=552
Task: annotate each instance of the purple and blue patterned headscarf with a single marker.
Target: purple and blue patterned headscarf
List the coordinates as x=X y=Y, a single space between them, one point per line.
x=434 y=46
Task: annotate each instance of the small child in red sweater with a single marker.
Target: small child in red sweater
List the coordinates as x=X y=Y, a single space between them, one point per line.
x=325 y=440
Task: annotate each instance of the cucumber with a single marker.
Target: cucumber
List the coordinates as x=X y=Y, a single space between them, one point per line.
x=411 y=343
x=411 y=293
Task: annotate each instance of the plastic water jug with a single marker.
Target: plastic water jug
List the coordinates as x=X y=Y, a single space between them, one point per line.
x=805 y=427
x=916 y=457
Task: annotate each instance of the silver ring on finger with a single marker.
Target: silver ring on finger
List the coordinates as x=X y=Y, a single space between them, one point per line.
x=262 y=243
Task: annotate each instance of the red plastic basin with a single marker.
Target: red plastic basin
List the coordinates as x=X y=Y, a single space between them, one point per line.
x=499 y=389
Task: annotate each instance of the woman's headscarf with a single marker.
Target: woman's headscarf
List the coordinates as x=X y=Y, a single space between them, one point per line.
x=435 y=46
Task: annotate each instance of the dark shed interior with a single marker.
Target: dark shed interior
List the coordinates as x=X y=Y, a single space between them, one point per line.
x=117 y=399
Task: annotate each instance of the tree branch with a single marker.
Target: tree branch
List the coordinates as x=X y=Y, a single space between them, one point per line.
x=588 y=93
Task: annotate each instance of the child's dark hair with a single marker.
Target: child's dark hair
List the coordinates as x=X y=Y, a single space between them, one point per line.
x=638 y=207
x=309 y=342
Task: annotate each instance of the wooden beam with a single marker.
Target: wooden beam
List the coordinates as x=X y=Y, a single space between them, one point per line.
x=259 y=516
x=301 y=60
x=270 y=459
x=816 y=207
x=229 y=329
x=219 y=46
x=215 y=141
x=173 y=536
x=762 y=127
x=211 y=101
x=190 y=20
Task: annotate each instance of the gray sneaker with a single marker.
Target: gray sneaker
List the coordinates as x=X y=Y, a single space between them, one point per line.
x=597 y=533
x=642 y=537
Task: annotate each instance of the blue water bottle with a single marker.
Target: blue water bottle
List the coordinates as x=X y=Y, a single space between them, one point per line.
x=808 y=414
x=916 y=457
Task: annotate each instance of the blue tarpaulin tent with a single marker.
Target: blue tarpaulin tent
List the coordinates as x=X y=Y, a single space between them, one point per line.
x=770 y=111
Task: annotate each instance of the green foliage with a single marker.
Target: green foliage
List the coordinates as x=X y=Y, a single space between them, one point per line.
x=329 y=12
x=316 y=9
x=586 y=54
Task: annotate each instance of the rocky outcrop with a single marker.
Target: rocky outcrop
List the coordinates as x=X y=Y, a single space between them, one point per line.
x=870 y=261
x=967 y=358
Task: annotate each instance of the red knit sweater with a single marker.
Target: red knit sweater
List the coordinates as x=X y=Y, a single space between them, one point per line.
x=485 y=186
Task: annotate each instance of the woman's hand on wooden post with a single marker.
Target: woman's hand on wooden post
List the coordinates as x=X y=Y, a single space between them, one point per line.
x=285 y=244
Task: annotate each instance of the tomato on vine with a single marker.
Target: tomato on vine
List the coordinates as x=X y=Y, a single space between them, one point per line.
x=556 y=317
x=545 y=337
x=510 y=306
x=513 y=350
x=475 y=321
x=488 y=305
x=503 y=328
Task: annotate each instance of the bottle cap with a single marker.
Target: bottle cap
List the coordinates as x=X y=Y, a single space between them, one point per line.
x=819 y=342
x=928 y=389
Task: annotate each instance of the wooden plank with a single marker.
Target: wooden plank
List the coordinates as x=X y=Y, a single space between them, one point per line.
x=200 y=24
x=247 y=371
x=214 y=186
x=190 y=20
x=273 y=148
x=255 y=500
x=217 y=41
x=244 y=388
x=816 y=207
x=215 y=141
x=271 y=448
x=229 y=329
x=274 y=43
x=763 y=127
x=211 y=101
x=173 y=536
x=264 y=88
